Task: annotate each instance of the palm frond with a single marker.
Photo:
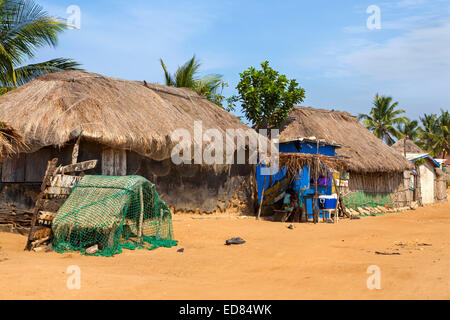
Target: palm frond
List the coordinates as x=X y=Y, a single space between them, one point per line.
x=169 y=79
x=27 y=73
x=185 y=75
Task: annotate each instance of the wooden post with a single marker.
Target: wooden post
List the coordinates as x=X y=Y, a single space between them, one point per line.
x=141 y=216
x=262 y=197
x=316 y=192
x=75 y=151
x=419 y=187
x=336 y=213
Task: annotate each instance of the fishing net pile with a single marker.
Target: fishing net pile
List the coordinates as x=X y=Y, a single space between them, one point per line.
x=112 y=213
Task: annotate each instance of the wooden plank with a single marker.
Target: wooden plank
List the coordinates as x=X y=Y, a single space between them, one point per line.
x=58 y=191
x=6 y=170
x=120 y=162
x=78 y=167
x=13 y=169
x=65 y=181
x=18 y=168
x=36 y=164
x=108 y=162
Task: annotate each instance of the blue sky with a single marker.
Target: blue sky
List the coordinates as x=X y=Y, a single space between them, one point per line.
x=325 y=45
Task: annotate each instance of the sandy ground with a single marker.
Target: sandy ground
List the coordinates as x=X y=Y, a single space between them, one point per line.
x=309 y=262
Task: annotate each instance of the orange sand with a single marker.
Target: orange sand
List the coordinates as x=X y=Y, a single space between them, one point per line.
x=309 y=262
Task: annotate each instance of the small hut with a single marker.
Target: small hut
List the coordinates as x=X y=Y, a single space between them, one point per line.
x=428 y=180
x=127 y=126
x=376 y=173
x=308 y=167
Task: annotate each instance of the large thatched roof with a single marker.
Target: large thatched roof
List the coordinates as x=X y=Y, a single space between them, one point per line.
x=366 y=152
x=118 y=113
x=406 y=145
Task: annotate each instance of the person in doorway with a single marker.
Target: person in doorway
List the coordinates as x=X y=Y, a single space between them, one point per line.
x=293 y=206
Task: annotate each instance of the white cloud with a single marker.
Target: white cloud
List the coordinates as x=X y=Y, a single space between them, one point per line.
x=419 y=54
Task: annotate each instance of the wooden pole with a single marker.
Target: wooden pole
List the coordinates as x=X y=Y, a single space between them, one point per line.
x=75 y=151
x=316 y=190
x=141 y=217
x=336 y=213
x=262 y=197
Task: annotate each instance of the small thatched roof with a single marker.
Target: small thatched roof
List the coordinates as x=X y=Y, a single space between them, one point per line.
x=406 y=145
x=11 y=141
x=366 y=152
x=295 y=162
x=132 y=115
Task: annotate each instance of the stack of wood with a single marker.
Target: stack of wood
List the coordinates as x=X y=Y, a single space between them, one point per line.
x=369 y=211
x=15 y=220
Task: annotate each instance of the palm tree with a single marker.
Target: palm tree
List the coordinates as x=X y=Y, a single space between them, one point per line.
x=427 y=131
x=186 y=76
x=435 y=135
x=442 y=141
x=383 y=119
x=24 y=28
x=409 y=129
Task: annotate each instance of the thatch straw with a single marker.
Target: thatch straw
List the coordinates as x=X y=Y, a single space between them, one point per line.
x=11 y=141
x=366 y=152
x=295 y=162
x=132 y=115
x=406 y=145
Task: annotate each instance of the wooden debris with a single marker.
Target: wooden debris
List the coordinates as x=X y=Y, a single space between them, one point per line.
x=37 y=243
x=78 y=167
x=363 y=212
x=387 y=253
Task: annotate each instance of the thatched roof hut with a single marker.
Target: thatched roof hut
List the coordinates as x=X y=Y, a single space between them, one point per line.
x=366 y=153
x=11 y=141
x=406 y=145
x=127 y=126
x=118 y=113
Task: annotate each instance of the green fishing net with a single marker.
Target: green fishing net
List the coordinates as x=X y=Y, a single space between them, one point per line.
x=112 y=213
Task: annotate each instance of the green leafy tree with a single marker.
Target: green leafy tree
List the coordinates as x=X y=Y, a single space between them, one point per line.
x=24 y=28
x=383 y=119
x=409 y=129
x=435 y=134
x=443 y=142
x=427 y=131
x=186 y=76
x=266 y=96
